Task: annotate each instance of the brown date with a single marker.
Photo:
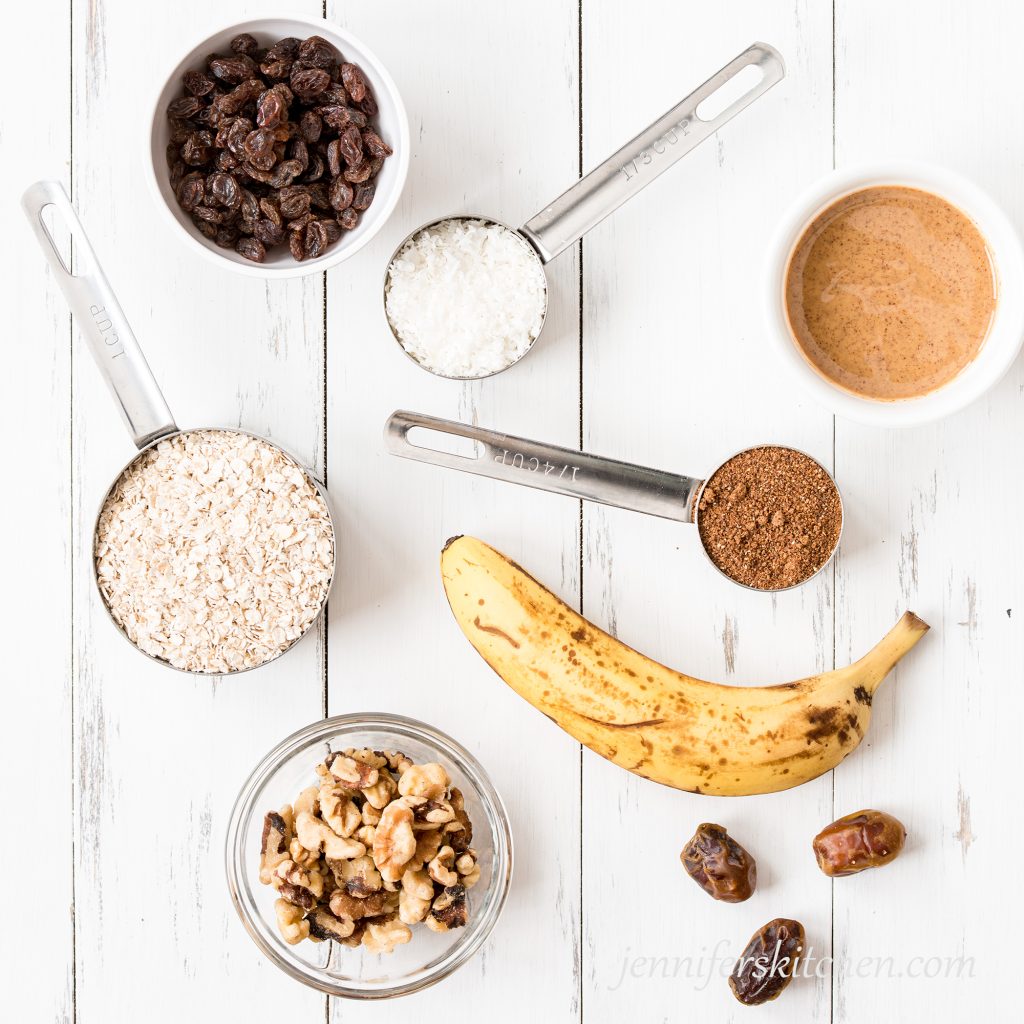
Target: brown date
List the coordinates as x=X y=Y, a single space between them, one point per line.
x=768 y=963
x=718 y=864
x=864 y=839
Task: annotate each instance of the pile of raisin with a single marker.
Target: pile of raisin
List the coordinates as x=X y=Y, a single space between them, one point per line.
x=274 y=146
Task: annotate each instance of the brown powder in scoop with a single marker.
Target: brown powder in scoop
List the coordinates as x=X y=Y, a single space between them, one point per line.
x=770 y=517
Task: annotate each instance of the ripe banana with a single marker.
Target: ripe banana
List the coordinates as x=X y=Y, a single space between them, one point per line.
x=663 y=725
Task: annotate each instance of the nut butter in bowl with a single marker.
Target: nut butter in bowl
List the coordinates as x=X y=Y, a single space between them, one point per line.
x=894 y=293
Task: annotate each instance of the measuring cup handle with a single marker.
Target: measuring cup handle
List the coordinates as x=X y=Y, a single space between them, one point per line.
x=640 y=161
x=547 y=467
x=100 y=318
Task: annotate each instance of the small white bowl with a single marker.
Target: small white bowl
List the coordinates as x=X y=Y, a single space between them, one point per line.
x=391 y=121
x=1005 y=334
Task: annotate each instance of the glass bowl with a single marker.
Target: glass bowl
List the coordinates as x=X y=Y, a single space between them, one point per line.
x=328 y=966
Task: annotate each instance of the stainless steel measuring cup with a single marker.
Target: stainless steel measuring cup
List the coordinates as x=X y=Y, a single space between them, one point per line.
x=548 y=467
x=118 y=356
x=626 y=172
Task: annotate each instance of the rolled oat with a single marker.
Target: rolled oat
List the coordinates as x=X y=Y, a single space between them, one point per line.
x=214 y=551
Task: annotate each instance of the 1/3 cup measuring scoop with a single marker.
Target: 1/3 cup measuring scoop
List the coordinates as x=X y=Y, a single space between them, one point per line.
x=251 y=528
x=424 y=316
x=769 y=517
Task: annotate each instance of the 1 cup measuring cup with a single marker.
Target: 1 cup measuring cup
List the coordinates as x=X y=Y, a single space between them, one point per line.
x=604 y=189
x=655 y=492
x=119 y=358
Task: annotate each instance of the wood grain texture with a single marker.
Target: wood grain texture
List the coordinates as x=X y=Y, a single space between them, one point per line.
x=478 y=147
x=675 y=376
x=36 y=499
x=162 y=755
x=129 y=770
x=931 y=531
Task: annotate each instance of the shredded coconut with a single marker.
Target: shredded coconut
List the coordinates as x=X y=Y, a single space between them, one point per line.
x=214 y=551
x=466 y=297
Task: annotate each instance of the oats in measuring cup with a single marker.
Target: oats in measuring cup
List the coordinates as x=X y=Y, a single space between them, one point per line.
x=214 y=551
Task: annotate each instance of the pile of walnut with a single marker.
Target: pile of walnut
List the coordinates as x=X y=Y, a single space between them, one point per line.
x=378 y=845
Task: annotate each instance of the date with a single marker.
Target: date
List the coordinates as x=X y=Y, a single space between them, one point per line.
x=858 y=841
x=719 y=865
x=769 y=962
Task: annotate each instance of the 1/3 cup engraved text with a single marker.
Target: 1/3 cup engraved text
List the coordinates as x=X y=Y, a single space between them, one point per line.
x=659 y=146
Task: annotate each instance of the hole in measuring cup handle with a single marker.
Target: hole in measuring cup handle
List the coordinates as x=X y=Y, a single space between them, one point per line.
x=744 y=81
x=447 y=443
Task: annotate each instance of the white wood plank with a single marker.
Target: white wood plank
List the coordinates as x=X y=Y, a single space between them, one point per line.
x=676 y=376
x=162 y=755
x=934 y=531
x=35 y=518
x=492 y=95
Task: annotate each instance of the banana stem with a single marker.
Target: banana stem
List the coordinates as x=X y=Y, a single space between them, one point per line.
x=881 y=659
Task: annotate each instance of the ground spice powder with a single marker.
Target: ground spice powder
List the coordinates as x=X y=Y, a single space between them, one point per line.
x=770 y=517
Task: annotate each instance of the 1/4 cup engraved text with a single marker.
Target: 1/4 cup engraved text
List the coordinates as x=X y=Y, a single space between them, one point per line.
x=517 y=460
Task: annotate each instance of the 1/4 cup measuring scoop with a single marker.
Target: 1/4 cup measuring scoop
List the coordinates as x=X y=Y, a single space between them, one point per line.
x=769 y=517
x=425 y=320
x=243 y=632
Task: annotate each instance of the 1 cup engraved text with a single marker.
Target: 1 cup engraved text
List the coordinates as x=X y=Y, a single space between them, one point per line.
x=107 y=333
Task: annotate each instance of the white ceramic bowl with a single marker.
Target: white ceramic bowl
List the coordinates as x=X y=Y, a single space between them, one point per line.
x=1005 y=335
x=392 y=122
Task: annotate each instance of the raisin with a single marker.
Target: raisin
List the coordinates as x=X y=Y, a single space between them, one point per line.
x=276 y=70
x=206 y=229
x=250 y=125
x=311 y=126
x=363 y=197
x=768 y=963
x=341 y=194
x=270 y=210
x=196 y=151
x=269 y=233
x=285 y=173
x=197 y=83
x=351 y=142
x=358 y=173
x=368 y=105
x=184 y=107
x=271 y=110
x=226 y=236
x=245 y=44
x=252 y=249
x=294 y=202
x=353 y=80
x=375 y=145
x=334 y=157
x=316 y=52
x=316 y=168
x=309 y=82
x=232 y=69
x=224 y=190
x=191 y=191
x=284 y=49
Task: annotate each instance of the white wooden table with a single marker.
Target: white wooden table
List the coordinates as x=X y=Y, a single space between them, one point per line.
x=118 y=775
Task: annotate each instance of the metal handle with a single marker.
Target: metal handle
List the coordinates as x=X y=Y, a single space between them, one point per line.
x=100 y=318
x=548 y=467
x=640 y=161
